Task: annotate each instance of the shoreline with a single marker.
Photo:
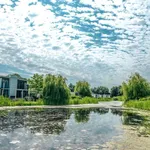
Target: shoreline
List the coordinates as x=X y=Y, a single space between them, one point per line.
x=129 y=140
x=103 y=105
x=60 y=106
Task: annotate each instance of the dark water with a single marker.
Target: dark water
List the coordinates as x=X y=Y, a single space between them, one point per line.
x=51 y=129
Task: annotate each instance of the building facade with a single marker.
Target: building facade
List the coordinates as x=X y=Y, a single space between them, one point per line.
x=100 y=95
x=13 y=86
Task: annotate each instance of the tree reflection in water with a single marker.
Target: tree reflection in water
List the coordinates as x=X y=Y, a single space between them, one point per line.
x=101 y=111
x=53 y=121
x=45 y=121
x=130 y=118
x=82 y=115
x=116 y=111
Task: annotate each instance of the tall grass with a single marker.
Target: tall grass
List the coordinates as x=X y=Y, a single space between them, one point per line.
x=87 y=100
x=118 y=98
x=74 y=100
x=143 y=103
x=19 y=102
x=5 y=101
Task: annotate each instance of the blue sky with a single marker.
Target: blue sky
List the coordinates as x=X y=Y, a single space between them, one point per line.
x=101 y=41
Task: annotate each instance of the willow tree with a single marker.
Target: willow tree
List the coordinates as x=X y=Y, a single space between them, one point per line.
x=55 y=90
x=83 y=88
x=136 y=87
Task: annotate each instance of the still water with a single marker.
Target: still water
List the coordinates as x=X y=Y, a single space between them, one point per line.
x=56 y=129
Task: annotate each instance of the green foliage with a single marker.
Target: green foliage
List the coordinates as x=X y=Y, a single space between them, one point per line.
x=4 y=101
x=84 y=100
x=116 y=91
x=19 y=102
x=22 y=102
x=75 y=97
x=118 y=98
x=83 y=88
x=71 y=87
x=136 y=87
x=94 y=90
x=87 y=100
x=36 y=83
x=100 y=90
x=139 y=104
x=55 y=90
x=100 y=99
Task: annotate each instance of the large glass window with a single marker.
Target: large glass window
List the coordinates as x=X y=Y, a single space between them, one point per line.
x=21 y=84
x=5 y=83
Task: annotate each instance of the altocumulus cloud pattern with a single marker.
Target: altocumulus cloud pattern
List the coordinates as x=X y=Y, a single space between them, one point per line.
x=101 y=41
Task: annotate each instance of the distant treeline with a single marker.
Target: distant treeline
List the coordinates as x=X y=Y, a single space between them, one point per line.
x=54 y=89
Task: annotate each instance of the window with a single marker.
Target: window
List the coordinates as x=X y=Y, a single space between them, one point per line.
x=21 y=84
x=5 y=83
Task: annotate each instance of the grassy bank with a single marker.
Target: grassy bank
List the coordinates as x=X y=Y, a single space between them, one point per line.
x=87 y=100
x=143 y=103
x=20 y=102
x=118 y=98
x=73 y=101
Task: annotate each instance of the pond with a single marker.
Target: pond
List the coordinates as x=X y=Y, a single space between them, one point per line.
x=62 y=128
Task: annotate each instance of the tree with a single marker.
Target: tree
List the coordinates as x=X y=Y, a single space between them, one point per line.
x=94 y=90
x=71 y=87
x=36 y=83
x=83 y=88
x=136 y=87
x=116 y=91
x=55 y=90
x=102 y=90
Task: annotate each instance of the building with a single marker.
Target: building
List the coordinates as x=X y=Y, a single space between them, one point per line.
x=100 y=95
x=13 y=86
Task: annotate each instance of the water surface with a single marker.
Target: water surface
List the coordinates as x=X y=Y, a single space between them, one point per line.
x=55 y=129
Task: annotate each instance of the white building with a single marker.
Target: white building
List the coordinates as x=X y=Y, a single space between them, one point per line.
x=100 y=95
x=13 y=86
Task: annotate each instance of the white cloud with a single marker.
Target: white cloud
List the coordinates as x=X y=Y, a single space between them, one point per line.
x=55 y=44
x=5 y=2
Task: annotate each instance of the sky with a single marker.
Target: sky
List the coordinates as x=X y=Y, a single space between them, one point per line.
x=100 y=41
